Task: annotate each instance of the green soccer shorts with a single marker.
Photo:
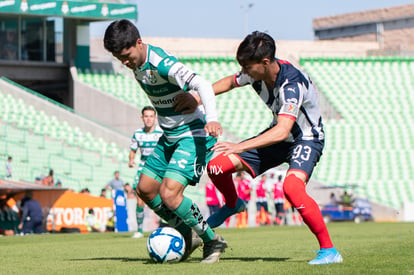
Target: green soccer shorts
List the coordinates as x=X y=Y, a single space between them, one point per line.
x=183 y=160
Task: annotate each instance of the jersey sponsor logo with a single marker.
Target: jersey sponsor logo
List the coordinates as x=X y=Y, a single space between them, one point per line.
x=291 y=89
x=216 y=170
x=299 y=162
x=185 y=74
x=152 y=78
x=181 y=163
x=198 y=168
x=168 y=101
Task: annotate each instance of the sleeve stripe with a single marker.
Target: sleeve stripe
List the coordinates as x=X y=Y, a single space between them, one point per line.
x=235 y=80
x=288 y=116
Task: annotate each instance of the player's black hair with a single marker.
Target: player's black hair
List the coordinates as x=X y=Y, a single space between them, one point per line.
x=119 y=35
x=146 y=108
x=255 y=47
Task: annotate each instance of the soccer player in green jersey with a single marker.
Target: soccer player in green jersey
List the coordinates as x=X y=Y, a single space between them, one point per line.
x=145 y=139
x=183 y=151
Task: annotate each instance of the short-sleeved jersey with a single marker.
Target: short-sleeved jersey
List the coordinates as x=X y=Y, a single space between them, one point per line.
x=295 y=96
x=163 y=77
x=145 y=142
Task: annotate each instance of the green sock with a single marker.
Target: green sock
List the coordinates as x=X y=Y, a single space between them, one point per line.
x=140 y=218
x=191 y=215
x=162 y=211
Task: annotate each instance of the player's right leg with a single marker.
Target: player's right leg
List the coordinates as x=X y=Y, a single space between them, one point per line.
x=220 y=170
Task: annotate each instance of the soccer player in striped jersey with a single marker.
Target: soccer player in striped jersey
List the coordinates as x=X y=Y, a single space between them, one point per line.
x=295 y=136
x=145 y=139
x=183 y=151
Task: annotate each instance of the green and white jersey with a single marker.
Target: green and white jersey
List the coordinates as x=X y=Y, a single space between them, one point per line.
x=163 y=77
x=145 y=142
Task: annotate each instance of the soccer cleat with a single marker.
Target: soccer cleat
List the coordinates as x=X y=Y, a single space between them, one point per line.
x=225 y=212
x=327 y=256
x=137 y=235
x=213 y=249
x=192 y=242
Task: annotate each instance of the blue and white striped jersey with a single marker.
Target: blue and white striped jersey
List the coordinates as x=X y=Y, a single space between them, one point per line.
x=295 y=96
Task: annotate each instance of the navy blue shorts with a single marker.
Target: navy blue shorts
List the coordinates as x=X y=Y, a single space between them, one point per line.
x=301 y=155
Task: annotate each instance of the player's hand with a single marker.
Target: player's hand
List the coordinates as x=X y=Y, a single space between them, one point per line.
x=186 y=103
x=228 y=148
x=213 y=128
x=131 y=163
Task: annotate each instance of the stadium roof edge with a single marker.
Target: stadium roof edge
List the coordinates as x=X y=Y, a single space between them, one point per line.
x=87 y=10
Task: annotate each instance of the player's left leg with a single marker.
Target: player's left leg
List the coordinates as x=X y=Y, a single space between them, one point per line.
x=191 y=157
x=171 y=192
x=302 y=162
x=220 y=170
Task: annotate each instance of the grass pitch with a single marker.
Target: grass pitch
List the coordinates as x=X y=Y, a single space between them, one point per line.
x=367 y=248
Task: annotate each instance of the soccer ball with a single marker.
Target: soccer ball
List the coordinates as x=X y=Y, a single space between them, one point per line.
x=165 y=245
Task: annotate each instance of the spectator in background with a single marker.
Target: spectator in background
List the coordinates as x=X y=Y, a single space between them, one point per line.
x=85 y=191
x=58 y=184
x=9 y=218
x=129 y=193
x=116 y=183
x=38 y=180
x=346 y=199
x=92 y=223
x=261 y=202
x=332 y=199
x=9 y=168
x=212 y=200
x=48 y=180
x=244 y=192
x=279 y=199
x=32 y=215
x=103 y=193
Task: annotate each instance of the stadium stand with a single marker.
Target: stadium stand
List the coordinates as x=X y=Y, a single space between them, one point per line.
x=372 y=144
x=39 y=142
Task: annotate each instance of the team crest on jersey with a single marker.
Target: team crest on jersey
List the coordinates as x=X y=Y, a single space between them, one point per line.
x=152 y=78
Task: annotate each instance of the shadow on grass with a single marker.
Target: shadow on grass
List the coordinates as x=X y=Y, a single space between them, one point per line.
x=241 y=259
x=121 y=259
x=192 y=260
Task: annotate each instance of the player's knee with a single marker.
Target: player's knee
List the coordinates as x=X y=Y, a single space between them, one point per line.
x=292 y=185
x=171 y=196
x=220 y=165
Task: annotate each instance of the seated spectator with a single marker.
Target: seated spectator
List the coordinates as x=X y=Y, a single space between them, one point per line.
x=333 y=200
x=92 y=223
x=346 y=199
x=49 y=181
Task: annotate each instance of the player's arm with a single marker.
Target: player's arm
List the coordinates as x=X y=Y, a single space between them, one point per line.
x=187 y=80
x=219 y=87
x=131 y=158
x=133 y=147
x=206 y=93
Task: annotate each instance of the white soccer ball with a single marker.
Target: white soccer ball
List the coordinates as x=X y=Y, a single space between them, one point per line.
x=165 y=245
